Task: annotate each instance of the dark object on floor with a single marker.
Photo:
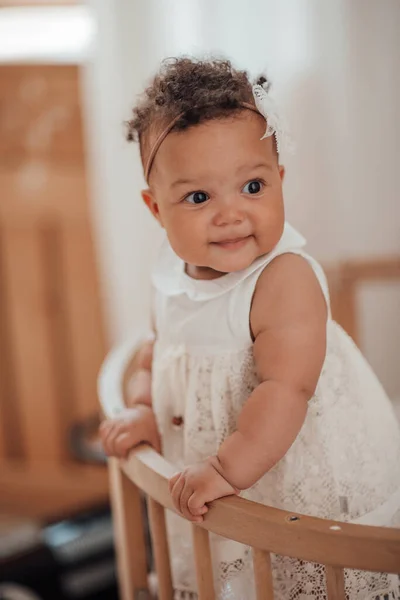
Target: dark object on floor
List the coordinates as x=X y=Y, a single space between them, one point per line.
x=67 y=560
x=84 y=443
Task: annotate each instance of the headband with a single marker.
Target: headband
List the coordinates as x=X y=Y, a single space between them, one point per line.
x=264 y=106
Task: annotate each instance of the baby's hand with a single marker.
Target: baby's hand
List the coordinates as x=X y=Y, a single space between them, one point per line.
x=134 y=426
x=195 y=486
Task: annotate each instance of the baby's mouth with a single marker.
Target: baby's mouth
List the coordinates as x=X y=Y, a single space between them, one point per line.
x=233 y=243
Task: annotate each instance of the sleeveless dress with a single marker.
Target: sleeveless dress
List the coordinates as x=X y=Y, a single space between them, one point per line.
x=344 y=464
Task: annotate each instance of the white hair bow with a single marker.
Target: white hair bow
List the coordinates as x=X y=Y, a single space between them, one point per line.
x=275 y=122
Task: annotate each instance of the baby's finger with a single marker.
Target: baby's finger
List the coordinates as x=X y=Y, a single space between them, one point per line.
x=104 y=425
x=106 y=437
x=172 y=481
x=124 y=442
x=111 y=440
x=105 y=429
x=183 y=501
x=176 y=492
x=196 y=505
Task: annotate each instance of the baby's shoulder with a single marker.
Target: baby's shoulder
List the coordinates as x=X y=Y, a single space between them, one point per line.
x=288 y=288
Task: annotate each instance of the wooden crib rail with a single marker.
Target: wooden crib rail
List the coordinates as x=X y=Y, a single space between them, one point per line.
x=273 y=530
x=267 y=530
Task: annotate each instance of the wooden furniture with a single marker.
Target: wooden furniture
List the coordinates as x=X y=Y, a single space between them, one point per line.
x=267 y=530
x=51 y=327
x=346 y=280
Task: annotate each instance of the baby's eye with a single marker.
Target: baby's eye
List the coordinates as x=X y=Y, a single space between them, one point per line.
x=253 y=187
x=197 y=198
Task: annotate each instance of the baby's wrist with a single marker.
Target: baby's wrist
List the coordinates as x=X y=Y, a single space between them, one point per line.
x=148 y=422
x=231 y=461
x=217 y=466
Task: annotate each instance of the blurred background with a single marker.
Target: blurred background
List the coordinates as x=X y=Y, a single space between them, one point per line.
x=76 y=244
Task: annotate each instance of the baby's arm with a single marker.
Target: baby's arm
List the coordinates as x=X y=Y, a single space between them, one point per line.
x=136 y=424
x=288 y=321
x=139 y=387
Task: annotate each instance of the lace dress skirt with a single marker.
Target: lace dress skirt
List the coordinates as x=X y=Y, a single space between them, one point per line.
x=343 y=465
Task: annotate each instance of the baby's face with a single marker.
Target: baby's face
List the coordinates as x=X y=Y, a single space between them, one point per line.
x=217 y=190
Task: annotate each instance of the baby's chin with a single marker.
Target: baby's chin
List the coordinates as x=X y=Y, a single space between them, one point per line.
x=232 y=264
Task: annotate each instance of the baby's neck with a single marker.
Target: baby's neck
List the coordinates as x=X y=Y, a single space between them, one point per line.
x=202 y=273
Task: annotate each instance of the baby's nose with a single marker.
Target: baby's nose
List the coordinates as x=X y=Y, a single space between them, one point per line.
x=230 y=212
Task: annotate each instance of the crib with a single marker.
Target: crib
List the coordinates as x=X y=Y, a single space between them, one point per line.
x=266 y=530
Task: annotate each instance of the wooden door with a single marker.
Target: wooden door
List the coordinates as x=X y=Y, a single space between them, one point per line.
x=51 y=330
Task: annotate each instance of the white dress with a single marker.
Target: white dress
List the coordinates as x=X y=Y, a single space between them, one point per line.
x=344 y=464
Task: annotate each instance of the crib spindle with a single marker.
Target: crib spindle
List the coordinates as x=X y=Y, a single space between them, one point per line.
x=202 y=557
x=335 y=583
x=161 y=550
x=263 y=575
x=129 y=534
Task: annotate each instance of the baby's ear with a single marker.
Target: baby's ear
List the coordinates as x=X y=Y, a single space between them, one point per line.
x=151 y=204
x=281 y=171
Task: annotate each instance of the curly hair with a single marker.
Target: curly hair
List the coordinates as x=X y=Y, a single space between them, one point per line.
x=198 y=90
